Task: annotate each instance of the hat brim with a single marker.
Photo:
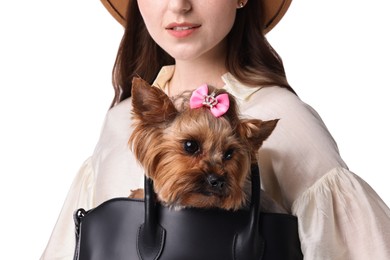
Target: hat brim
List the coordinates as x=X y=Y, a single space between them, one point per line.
x=274 y=10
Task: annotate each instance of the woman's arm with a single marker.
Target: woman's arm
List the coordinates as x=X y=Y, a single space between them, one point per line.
x=340 y=216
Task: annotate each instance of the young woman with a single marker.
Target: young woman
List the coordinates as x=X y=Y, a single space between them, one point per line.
x=179 y=44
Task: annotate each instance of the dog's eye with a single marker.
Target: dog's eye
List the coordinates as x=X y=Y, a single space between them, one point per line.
x=191 y=146
x=228 y=154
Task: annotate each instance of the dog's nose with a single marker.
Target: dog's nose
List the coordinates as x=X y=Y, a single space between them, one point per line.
x=216 y=182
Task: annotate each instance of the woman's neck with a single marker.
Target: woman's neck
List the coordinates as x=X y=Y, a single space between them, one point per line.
x=190 y=74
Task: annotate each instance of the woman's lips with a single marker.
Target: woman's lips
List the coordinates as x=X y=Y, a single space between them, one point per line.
x=182 y=30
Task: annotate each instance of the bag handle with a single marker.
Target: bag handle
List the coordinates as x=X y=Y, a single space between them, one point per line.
x=151 y=236
x=247 y=244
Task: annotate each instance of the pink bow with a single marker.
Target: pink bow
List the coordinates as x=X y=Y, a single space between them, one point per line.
x=218 y=104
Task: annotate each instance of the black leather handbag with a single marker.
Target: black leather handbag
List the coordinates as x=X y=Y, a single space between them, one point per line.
x=128 y=229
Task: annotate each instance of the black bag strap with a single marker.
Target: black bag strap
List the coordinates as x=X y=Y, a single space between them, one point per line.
x=248 y=244
x=151 y=236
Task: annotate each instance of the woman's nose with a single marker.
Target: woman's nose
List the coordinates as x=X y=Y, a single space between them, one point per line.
x=180 y=6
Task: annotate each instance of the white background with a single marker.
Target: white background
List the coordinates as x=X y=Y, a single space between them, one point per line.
x=56 y=59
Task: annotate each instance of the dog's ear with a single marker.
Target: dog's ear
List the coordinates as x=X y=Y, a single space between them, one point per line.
x=150 y=104
x=256 y=131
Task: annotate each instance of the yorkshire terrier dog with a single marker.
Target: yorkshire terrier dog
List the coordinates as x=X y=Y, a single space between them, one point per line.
x=196 y=148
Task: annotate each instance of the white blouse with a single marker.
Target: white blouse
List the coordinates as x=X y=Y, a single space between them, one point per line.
x=340 y=217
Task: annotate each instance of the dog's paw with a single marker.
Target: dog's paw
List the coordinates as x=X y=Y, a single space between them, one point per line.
x=137 y=194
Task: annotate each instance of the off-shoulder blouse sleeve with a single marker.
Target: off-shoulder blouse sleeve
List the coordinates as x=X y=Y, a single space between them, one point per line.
x=61 y=244
x=340 y=217
x=112 y=171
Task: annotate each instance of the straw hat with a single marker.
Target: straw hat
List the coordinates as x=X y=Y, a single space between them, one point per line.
x=274 y=11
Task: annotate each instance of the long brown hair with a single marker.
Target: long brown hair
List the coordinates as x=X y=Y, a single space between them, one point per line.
x=250 y=58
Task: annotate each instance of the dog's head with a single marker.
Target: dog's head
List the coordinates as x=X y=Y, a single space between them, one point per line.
x=195 y=158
